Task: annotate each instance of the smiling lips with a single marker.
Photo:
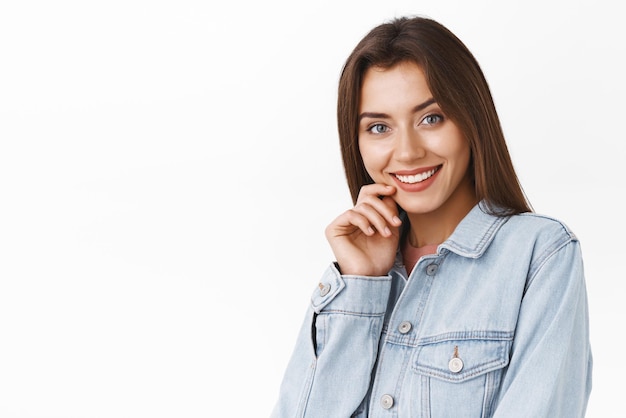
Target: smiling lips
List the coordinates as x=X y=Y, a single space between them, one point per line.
x=417 y=177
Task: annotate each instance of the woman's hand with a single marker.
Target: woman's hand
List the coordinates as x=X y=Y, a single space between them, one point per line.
x=365 y=238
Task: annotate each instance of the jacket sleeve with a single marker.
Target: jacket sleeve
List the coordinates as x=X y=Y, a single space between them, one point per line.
x=550 y=368
x=331 y=366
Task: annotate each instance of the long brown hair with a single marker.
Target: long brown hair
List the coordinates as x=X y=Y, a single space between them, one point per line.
x=457 y=84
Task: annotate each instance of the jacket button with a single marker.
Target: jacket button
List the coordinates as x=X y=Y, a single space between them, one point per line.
x=431 y=269
x=404 y=327
x=324 y=289
x=455 y=365
x=386 y=401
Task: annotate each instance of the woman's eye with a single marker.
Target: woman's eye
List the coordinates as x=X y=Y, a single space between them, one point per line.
x=432 y=119
x=378 y=129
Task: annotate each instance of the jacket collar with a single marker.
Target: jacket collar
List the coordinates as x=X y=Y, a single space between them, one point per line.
x=474 y=233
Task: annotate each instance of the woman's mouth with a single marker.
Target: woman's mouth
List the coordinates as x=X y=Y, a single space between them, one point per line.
x=417 y=178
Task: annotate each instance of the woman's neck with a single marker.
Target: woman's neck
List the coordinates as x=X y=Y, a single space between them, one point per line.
x=435 y=227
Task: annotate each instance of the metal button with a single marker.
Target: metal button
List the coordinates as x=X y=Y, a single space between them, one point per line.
x=324 y=289
x=405 y=327
x=431 y=269
x=455 y=365
x=386 y=401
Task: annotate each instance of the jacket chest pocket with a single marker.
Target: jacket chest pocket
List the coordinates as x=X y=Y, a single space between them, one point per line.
x=459 y=377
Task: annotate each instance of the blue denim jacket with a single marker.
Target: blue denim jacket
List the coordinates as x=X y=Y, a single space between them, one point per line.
x=493 y=325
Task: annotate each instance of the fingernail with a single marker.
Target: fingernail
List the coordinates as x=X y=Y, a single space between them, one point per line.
x=370 y=230
x=396 y=220
x=387 y=231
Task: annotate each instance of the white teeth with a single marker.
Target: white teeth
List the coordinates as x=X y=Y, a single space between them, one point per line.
x=417 y=178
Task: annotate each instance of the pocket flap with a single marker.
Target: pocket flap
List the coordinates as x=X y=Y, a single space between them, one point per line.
x=460 y=360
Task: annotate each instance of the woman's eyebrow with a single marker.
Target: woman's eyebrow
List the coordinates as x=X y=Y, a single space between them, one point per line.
x=424 y=105
x=375 y=115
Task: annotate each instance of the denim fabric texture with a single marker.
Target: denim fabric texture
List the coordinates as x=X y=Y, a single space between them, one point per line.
x=495 y=324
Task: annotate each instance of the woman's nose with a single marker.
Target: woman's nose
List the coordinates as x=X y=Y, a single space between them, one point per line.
x=409 y=146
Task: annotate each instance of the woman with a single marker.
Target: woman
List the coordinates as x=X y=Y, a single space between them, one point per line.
x=448 y=297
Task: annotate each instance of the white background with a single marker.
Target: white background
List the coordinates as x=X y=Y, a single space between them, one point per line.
x=167 y=169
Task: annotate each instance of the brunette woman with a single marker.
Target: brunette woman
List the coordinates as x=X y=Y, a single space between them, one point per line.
x=449 y=297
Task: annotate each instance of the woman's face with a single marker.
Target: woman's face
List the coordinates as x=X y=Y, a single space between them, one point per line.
x=406 y=141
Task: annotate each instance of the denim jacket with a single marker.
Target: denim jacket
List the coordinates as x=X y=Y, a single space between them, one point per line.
x=495 y=324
